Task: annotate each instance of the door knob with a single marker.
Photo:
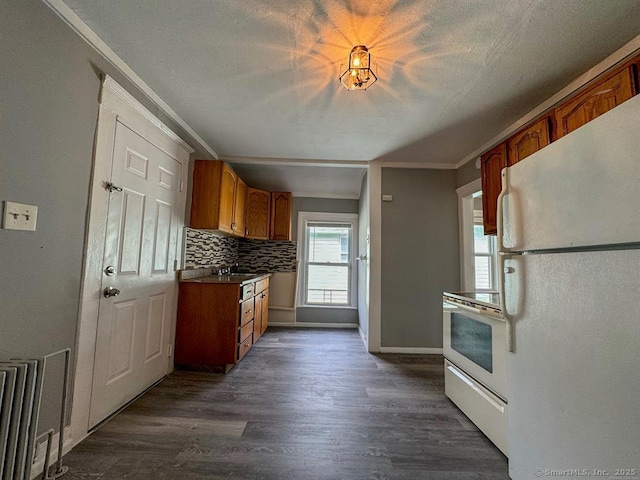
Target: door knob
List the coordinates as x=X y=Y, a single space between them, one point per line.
x=111 y=292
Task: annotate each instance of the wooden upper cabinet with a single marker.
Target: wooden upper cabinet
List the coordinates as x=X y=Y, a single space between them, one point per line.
x=257 y=215
x=239 y=208
x=281 y=204
x=205 y=199
x=529 y=140
x=492 y=164
x=593 y=102
x=227 y=198
x=218 y=198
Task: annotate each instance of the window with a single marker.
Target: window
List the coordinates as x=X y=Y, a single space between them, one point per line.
x=478 y=257
x=484 y=259
x=327 y=246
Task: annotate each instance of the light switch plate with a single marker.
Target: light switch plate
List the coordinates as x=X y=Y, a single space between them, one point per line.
x=19 y=216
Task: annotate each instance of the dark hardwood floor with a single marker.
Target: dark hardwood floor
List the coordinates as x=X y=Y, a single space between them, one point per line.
x=303 y=404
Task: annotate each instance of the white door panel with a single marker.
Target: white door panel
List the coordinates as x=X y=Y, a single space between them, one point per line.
x=141 y=242
x=155 y=327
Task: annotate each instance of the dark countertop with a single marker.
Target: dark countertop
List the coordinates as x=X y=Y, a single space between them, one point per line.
x=205 y=275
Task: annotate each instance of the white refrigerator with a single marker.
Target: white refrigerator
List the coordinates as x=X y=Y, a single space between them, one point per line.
x=569 y=242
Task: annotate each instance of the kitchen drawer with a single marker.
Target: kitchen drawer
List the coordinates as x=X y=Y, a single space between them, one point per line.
x=245 y=331
x=244 y=347
x=246 y=311
x=486 y=410
x=262 y=285
x=248 y=291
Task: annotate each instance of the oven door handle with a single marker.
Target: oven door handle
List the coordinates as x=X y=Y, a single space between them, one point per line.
x=477 y=389
x=478 y=311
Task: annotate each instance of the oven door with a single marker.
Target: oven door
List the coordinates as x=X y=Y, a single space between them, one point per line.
x=476 y=343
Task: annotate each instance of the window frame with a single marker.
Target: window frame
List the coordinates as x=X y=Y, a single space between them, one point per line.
x=492 y=256
x=466 y=194
x=305 y=218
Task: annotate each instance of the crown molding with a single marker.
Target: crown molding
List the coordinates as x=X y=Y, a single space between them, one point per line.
x=432 y=166
x=294 y=162
x=113 y=87
x=89 y=36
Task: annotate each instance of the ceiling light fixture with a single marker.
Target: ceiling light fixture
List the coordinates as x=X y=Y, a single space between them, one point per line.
x=359 y=75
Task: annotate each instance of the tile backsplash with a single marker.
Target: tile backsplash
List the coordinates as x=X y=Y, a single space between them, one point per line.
x=206 y=249
x=267 y=256
x=209 y=249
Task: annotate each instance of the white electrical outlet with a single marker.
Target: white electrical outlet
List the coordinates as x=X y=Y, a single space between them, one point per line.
x=387 y=198
x=19 y=216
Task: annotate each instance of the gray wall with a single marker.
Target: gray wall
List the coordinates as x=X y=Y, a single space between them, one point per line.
x=49 y=87
x=332 y=205
x=467 y=173
x=420 y=254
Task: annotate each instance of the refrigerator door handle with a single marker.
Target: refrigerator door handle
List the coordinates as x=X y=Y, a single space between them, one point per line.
x=502 y=256
x=503 y=253
x=500 y=211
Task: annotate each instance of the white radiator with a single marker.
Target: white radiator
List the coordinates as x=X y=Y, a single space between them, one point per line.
x=20 y=405
x=21 y=384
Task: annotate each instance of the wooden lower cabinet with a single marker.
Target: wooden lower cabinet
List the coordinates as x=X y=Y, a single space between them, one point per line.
x=261 y=317
x=264 y=318
x=217 y=325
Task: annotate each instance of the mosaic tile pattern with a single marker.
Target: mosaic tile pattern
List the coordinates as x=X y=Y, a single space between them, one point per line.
x=209 y=249
x=267 y=256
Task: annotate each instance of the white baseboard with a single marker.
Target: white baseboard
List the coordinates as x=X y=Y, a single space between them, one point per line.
x=313 y=325
x=362 y=336
x=414 y=350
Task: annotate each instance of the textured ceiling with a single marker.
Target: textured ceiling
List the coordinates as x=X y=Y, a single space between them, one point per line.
x=259 y=78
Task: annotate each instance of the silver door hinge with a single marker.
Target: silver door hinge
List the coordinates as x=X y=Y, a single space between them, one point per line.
x=175 y=265
x=170 y=351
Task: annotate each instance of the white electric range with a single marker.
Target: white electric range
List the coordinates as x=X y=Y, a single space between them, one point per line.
x=475 y=351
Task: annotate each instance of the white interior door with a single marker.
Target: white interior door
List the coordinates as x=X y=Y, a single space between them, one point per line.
x=133 y=331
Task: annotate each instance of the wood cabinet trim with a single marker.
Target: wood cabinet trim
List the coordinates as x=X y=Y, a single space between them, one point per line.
x=281 y=206
x=621 y=83
x=540 y=130
x=258 y=214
